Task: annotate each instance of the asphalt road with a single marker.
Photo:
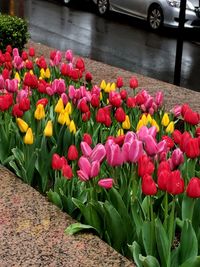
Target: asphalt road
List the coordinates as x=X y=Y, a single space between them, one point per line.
x=116 y=40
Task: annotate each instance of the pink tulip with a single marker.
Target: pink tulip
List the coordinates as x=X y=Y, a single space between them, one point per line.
x=15 y=52
x=11 y=85
x=69 y=55
x=151 y=146
x=143 y=133
x=82 y=176
x=132 y=151
x=86 y=149
x=64 y=98
x=58 y=86
x=106 y=183
x=162 y=146
x=84 y=165
x=114 y=155
x=71 y=91
x=50 y=91
x=1 y=82
x=177 y=110
x=98 y=153
x=18 y=62
x=177 y=158
x=159 y=98
x=95 y=168
x=129 y=137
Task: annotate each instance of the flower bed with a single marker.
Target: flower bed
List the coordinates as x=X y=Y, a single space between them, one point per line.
x=118 y=162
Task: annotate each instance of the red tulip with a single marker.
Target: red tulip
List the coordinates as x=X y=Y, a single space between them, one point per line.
x=24 y=104
x=16 y=111
x=52 y=54
x=80 y=64
x=65 y=69
x=120 y=115
x=115 y=99
x=6 y=74
x=57 y=162
x=83 y=106
x=31 y=51
x=131 y=102
x=177 y=135
x=106 y=183
x=95 y=101
x=88 y=77
x=197 y=133
x=29 y=65
x=193 y=188
x=169 y=141
x=30 y=80
x=41 y=62
x=191 y=117
x=119 y=82
x=177 y=158
x=133 y=83
x=67 y=171
x=184 y=108
x=192 y=149
x=186 y=136
x=175 y=184
x=163 y=166
x=145 y=166
x=24 y=55
x=72 y=153
x=148 y=185
x=140 y=99
x=86 y=116
x=87 y=138
x=42 y=101
x=6 y=101
x=123 y=94
x=163 y=178
x=9 y=49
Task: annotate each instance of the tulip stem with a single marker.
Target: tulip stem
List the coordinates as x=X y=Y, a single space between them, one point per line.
x=165 y=210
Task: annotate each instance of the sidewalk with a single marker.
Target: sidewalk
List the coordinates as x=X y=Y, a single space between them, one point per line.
x=32 y=229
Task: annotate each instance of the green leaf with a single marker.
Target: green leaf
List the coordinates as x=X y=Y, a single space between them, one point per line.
x=192 y=262
x=149 y=261
x=188 y=242
x=136 y=251
x=115 y=226
x=77 y=227
x=148 y=237
x=163 y=244
x=55 y=198
x=187 y=207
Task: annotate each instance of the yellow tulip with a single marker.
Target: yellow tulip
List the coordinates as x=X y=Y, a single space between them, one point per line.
x=144 y=119
x=165 y=120
x=113 y=87
x=103 y=85
x=17 y=76
x=39 y=112
x=107 y=88
x=149 y=119
x=59 y=106
x=154 y=123
x=23 y=126
x=126 y=124
x=139 y=125
x=28 y=138
x=48 y=131
x=62 y=117
x=120 y=132
x=67 y=119
x=101 y=96
x=68 y=108
x=47 y=73
x=31 y=72
x=72 y=127
x=42 y=73
x=170 y=127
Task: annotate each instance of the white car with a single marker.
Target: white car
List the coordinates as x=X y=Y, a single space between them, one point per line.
x=155 y=12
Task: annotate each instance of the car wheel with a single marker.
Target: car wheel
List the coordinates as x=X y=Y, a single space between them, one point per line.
x=155 y=17
x=67 y=2
x=103 y=7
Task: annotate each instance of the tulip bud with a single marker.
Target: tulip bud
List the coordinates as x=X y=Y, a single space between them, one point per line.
x=165 y=120
x=67 y=171
x=23 y=126
x=133 y=83
x=39 y=112
x=72 y=127
x=59 y=106
x=119 y=82
x=126 y=124
x=48 y=131
x=106 y=183
x=148 y=185
x=28 y=138
x=72 y=153
x=193 y=188
x=57 y=162
x=175 y=184
x=170 y=127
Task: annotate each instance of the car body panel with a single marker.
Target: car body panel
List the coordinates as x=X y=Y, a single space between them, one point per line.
x=139 y=9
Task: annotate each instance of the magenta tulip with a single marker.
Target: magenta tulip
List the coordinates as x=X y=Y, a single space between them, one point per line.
x=151 y=146
x=98 y=153
x=106 y=183
x=86 y=149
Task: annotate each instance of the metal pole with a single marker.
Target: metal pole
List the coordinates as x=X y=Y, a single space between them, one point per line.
x=179 y=44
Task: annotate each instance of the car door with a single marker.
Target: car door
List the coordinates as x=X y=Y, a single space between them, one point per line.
x=131 y=7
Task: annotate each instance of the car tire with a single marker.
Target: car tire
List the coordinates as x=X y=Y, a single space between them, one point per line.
x=103 y=7
x=155 y=17
x=67 y=2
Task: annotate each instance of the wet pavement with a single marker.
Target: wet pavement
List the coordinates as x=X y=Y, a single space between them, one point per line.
x=117 y=40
